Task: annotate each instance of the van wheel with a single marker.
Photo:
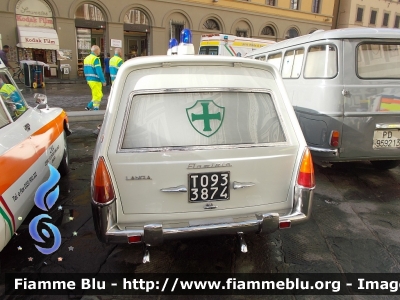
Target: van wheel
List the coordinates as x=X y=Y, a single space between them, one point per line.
x=385 y=164
x=63 y=168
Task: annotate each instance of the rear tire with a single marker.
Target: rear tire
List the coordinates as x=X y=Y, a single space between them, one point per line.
x=385 y=164
x=63 y=168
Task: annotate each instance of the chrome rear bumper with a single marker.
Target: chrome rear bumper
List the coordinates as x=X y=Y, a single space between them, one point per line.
x=105 y=223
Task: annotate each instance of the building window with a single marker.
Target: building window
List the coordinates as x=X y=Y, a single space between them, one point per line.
x=241 y=33
x=268 y=30
x=294 y=4
x=135 y=16
x=175 y=30
x=316 y=6
x=397 y=22
x=89 y=12
x=385 y=19
x=360 y=12
x=211 y=24
x=372 y=19
x=291 y=33
x=270 y=2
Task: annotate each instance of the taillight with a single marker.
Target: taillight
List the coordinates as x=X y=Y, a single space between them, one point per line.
x=305 y=177
x=134 y=239
x=334 y=138
x=103 y=191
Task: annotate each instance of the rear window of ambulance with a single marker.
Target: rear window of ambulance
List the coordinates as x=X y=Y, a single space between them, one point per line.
x=201 y=119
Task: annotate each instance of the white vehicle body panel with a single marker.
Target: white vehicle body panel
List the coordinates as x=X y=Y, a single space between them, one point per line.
x=272 y=167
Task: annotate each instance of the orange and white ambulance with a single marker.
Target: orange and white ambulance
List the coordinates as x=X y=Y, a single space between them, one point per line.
x=30 y=139
x=229 y=45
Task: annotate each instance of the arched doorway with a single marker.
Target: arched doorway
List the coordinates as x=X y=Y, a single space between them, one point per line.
x=90 y=30
x=136 y=34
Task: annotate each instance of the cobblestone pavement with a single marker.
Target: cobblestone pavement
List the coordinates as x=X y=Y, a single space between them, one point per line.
x=69 y=96
x=355 y=227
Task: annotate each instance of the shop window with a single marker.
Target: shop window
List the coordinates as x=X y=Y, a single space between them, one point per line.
x=211 y=24
x=270 y=2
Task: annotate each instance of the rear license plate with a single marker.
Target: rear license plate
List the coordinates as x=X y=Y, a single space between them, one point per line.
x=389 y=138
x=208 y=186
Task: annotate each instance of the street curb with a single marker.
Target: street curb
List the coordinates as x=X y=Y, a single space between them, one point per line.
x=85 y=116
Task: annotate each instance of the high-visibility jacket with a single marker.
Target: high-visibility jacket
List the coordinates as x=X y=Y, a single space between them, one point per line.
x=92 y=68
x=8 y=91
x=115 y=63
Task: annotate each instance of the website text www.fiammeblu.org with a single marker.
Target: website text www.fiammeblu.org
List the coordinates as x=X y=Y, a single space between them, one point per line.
x=218 y=284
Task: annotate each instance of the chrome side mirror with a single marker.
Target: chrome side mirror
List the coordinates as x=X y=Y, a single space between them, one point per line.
x=40 y=99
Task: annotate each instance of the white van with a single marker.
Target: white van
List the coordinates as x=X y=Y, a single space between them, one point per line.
x=345 y=88
x=229 y=45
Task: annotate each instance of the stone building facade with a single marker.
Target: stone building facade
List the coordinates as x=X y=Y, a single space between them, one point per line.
x=60 y=32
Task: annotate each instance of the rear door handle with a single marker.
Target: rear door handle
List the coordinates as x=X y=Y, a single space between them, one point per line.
x=242 y=185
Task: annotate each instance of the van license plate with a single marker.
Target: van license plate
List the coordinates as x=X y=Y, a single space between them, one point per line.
x=208 y=186
x=389 y=138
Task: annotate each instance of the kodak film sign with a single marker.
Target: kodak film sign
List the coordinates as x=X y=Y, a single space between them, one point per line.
x=30 y=21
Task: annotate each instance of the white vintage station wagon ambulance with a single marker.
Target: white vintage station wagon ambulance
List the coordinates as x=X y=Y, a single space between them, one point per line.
x=30 y=139
x=196 y=146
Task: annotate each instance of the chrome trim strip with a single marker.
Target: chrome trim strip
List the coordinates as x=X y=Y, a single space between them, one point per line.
x=175 y=189
x=334 y=152
x=107 y=230
x=387 y=126
x=195 y=148
x=242 y=185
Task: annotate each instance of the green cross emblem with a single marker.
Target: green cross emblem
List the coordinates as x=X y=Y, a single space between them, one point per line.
x=209 y=114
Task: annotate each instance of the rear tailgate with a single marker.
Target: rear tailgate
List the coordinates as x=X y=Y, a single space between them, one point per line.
x=179 y=151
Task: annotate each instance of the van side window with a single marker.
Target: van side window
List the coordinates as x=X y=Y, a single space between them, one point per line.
x=11 y=97
x=4 y=119
x=275 y=59
x=292 y=63
x=262 y=58
x=321 y=62
x=378 y=60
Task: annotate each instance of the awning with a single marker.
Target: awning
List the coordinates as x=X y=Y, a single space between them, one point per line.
x=38 y=38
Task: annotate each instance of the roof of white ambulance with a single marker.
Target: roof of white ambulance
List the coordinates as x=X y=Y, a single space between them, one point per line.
x=345 y=33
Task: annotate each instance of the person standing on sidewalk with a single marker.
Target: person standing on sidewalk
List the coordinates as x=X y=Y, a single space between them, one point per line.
x=94 y=77
x=107 y=69
x=3 y=56
x=115 y=62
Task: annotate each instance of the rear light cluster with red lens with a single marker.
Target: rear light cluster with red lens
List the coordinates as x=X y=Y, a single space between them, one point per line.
x=103 y=191
x=305 y=177
x=334 y=142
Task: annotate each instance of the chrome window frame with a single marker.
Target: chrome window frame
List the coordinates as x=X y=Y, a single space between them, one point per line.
x=374 y=42
x=327 y=43
x=197 y=148
x=294 y=57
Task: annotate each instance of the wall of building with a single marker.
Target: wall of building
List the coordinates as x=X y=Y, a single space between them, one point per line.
x=347 y=13
x=252 y=15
